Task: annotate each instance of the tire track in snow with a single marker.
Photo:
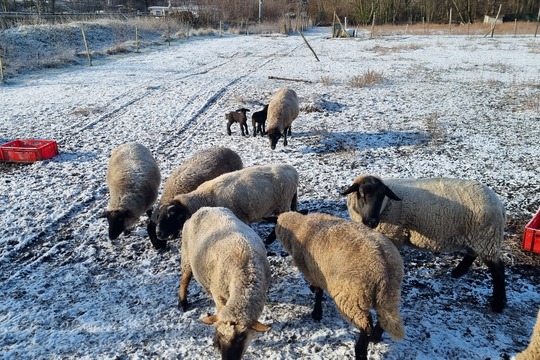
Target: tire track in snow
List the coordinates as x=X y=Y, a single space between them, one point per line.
x=63 y=224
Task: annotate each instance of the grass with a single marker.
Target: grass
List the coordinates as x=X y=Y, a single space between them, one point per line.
x=476 y=29
x=368 y=78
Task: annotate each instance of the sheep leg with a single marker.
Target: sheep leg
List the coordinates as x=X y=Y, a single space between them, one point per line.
x=361 y=345
x=187 y=274
x=246 y=127
x=294 y=202
x=317 y=308
x=253 y=122
x=463 y=266
x=229 y=123
x=496 y=268
x=289 y=130
x=376 y=333
x=271 y=237
x=285 y=137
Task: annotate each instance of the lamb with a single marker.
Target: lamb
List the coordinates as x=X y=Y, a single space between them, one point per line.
x=239 y=116
x=229 y=260
x=133 y=179
x=532 y=352
x=439 y=214
x=282 y=110
x=258 y=120
x=360 y=269
x=251 y=194
x=202 y=166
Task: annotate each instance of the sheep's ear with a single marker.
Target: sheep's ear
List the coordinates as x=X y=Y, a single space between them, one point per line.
x=260 y=327
x=391 y=194
x=104 y=214
x=353 y=188
x=209 y=320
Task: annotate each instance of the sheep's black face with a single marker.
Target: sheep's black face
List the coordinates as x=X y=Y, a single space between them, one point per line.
x=232 y=346
x=370 y=193
x=274 y=136
x=170 y=220
x=118 y=222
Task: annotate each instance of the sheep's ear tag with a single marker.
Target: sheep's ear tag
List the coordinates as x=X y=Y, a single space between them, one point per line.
x=260 y=327
x=209 y=320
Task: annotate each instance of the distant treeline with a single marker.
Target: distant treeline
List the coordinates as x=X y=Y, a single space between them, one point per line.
x=358 y=12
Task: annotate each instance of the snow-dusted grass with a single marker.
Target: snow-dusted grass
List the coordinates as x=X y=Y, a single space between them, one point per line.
x=448 y=106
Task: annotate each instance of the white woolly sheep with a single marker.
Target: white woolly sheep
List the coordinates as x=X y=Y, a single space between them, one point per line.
x=441 y=215
x=282 y=110
x=229 y=260
x=204 y=165
x=251 y=193
x=360 y=268
x=258 y=120
x=532 y=352
x=133 y=179
x=239 y=116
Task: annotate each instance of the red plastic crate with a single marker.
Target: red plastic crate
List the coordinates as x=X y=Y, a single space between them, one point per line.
x=28 y=150
x=531 y=236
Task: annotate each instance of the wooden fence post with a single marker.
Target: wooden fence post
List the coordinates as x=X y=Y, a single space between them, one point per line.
x=373 y=26
x=86 y=46
x=494 y=22
x=137 y=37
x=450 y=23
x=537 y=22
x=1 y=71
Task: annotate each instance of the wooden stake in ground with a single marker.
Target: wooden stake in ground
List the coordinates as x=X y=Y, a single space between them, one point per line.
x=537 y=22
x=373 y=26
x=137 y=37
x=86 y=46
x=309 y=46
x=494 y=22
x=450 y=23
x=1 y=71
x=289 y=79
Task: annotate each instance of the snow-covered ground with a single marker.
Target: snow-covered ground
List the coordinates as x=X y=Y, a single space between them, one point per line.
x=452 y=106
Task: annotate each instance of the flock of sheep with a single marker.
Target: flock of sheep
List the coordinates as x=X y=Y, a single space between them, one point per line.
x=212 y=199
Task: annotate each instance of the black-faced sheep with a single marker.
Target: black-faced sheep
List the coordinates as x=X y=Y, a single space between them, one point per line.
x=282 y=110
x=252 y=194
x=204 y=165
x=229 y=260
x=360 y=268
x=239 y=116
x=440 y=214
x=133 y=179
x=258 y=120
x=532 y=352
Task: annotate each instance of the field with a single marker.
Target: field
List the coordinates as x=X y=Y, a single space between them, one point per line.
x=400 y=105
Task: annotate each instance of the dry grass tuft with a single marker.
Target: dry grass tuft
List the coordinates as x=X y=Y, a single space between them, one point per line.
x=369 y=77
x=435 y=130
x=326 y=80
x=531 y=102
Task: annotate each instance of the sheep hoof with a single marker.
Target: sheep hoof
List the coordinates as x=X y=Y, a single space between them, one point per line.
x=376 y=334
x=183 y=304
x=497 y=305
x=316 y=315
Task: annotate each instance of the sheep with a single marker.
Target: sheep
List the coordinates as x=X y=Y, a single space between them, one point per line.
x=359 y=267
x=133 y=179
x=282 y=110
x=239 y=116
x=439 y=214
x=532 y=352
x=229 y=261
x=258 y=120
x=202 y=166
x=251 y=193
